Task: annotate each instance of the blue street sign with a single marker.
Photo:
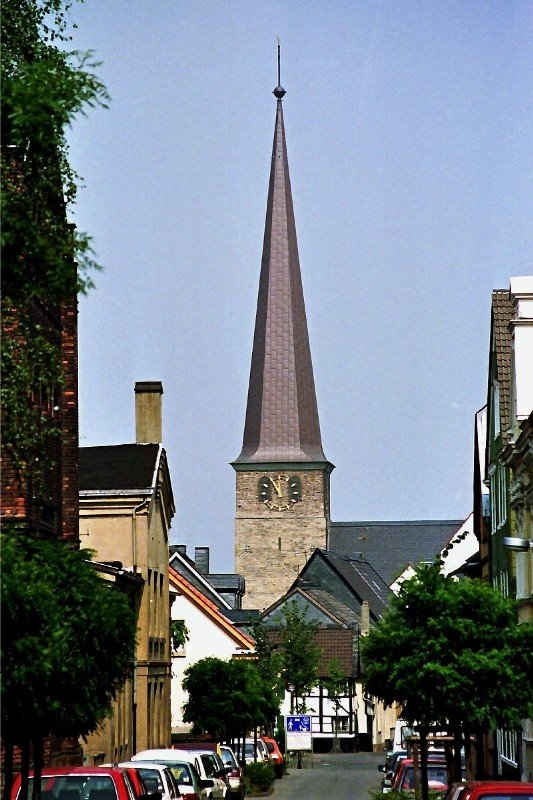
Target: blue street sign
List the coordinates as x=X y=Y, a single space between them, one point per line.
x=299 y=724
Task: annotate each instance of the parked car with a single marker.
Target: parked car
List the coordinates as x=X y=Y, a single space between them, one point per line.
x=497 y=790
x=404 y=780
x=276 y=756
x=139 y=787
x=190 y=784
x=79 y=783
x=214 y=768
x=252 y=751
x=235 y=774
x=156 y=777
x=215 y=787
x=389 y=768
x=455 y=791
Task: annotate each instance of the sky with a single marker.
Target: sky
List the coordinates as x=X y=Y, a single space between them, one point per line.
x=410 y=148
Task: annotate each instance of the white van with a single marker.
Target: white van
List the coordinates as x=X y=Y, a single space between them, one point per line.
x=401 y=730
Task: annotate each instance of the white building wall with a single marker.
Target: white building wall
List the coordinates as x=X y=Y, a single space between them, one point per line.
x=206 y=639
x=521 y=294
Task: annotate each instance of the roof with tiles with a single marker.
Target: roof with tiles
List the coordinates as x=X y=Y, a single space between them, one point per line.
x=281 y=416
x=180 y=584
x=502 y=312
x=333 y=605
x=391 y=546
x=318 y=606
x=339 y=644
x=362 y=579
x=183 y=565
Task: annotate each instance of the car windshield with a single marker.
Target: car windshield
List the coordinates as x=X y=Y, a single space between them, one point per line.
x=74 y=787
x=517 y=796
x=182 y=773
x=436 y=775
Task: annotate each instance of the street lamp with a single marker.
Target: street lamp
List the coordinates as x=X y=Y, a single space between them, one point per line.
x=517 y=544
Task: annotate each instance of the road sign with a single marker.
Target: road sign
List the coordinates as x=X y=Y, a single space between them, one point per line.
x=298 y=732
x=300 y=724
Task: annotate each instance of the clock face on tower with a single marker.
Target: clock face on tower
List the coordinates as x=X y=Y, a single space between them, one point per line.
x=280 y=492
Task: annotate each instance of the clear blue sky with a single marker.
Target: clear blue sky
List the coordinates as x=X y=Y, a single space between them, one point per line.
x=410 y=149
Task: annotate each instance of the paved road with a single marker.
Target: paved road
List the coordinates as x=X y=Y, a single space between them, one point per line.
x=346 y=776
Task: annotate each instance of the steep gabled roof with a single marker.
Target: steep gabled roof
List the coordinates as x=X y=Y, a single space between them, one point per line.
x=210 y=609
x=390 y=546
x=358 y=576
x=320 y=607
x=183 y=565
x=501 y=315
x=281 y=415
x=336 y=641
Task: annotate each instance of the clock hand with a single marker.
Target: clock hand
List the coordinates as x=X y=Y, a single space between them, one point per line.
x=276 y=486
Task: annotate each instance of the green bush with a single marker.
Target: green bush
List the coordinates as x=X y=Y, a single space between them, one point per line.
x=259 y=777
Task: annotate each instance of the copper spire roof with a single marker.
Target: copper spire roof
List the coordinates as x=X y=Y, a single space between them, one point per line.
x=281 y=415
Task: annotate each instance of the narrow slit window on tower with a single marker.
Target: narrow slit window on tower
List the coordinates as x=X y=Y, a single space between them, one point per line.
x=279 y=543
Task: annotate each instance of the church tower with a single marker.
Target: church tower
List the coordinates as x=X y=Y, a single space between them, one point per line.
x=282 y=474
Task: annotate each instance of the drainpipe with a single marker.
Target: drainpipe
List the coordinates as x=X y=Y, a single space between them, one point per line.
x=134 y=533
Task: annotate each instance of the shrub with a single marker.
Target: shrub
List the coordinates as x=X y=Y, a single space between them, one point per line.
x=259 y=776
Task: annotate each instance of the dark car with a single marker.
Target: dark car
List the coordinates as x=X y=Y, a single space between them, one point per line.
x=389 y=769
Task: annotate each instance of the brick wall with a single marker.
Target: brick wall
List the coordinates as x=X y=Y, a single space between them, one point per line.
x=50 y=508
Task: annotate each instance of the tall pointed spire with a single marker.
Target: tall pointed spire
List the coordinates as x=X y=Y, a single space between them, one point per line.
x=281 y=416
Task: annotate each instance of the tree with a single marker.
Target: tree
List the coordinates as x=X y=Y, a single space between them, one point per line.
x=335 y=684
x=241 y=702
x=68 y=640
x=269 y=659
x=43 y=87
x=300 y=655
x=452 y=655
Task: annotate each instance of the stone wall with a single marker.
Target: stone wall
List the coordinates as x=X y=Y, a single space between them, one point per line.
x=272 y=546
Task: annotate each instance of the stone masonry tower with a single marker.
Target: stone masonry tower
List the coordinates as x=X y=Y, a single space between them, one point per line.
x=282 y=510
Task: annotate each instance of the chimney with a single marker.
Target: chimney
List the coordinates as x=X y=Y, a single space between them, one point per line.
x=365 y=618
x=201 y=560
x=148 y=418
x=177 y=548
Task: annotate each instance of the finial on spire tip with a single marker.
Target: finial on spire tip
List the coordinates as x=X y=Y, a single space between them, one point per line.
x=279 y=91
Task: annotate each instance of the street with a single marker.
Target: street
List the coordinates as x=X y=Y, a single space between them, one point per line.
x=346 y=776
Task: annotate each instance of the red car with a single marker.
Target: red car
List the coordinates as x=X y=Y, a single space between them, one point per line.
x=497 y=790
x=404 y=780
x=80 y=783
x=276 y=756
x=139 y=787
